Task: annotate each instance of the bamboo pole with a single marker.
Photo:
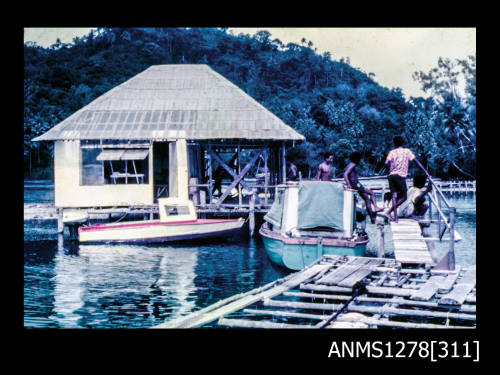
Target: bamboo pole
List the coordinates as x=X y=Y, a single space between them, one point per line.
x=60 y=222
x=380 y=241
x=210 y=185
x=409 y=312
x=401 y=301
x=394 y=324
x=317 y=295
x=240 y=323
x=288 y=314
x=303 y=305
x=439 y=217
x=251 y=214
x=266 y=176
x=452 y=239
x=283 y=161
x=240 y=198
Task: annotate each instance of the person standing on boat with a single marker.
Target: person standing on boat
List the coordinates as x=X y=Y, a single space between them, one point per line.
x=352 y=182
x=291 y=170
x=325 y=168
x=398 y=161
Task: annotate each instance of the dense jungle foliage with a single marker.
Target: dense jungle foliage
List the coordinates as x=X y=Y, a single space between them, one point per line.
x=337 y=108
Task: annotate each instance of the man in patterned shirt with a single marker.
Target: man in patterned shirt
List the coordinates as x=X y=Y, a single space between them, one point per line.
x=398 y=160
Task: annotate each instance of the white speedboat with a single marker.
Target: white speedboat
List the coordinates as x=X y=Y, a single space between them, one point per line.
x=178 y=221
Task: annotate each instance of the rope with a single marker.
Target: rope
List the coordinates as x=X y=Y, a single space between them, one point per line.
x=126 y=213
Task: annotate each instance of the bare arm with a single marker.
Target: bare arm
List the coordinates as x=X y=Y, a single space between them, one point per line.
x=318 y=176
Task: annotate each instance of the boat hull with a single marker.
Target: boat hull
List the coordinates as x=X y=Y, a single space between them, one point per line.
x=297 y=253
x=156 y=231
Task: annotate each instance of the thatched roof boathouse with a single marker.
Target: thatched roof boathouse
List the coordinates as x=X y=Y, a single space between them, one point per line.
x=169 y=130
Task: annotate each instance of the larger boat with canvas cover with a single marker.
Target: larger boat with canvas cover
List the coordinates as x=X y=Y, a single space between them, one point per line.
x=178 y=221
x=310 y=219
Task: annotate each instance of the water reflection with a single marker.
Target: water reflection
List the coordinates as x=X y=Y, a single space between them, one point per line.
x=69 y=287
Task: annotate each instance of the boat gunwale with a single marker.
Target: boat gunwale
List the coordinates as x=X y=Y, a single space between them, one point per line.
x=308 y=240
x=155 y=223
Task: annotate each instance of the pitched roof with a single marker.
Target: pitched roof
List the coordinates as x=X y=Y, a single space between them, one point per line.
x=171 y=102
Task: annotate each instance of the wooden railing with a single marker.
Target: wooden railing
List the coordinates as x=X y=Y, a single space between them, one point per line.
x=437 y=198
x=438 y=201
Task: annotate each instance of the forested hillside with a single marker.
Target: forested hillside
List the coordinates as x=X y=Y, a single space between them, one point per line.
x=336 y=107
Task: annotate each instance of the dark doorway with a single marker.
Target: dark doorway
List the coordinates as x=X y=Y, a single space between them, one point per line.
x=160 y=168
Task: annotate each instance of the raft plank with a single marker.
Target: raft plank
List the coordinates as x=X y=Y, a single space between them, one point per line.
x=360 y=274
x=456 y=296
x=462 y=288
x=427 y=291
x=343 y=271
x=449 y=281
x=409 y=243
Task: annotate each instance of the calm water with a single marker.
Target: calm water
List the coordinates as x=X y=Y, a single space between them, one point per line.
x=69 y=285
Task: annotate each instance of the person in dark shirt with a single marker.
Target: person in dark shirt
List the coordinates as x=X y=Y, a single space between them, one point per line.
x=352 y=182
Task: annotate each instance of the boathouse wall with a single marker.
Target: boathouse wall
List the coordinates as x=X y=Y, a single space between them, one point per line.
x=69 y=191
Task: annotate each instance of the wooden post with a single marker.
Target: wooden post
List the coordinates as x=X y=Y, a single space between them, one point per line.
x=60 y=223
x=266 y=176
x=438 y=197
x=73 y=231
x=60 y=243
x=430 y=208
x=452 y=239
x=210 y=186
x=283 y=161
x=380 y=241
x=240 y=200
x=251 y=214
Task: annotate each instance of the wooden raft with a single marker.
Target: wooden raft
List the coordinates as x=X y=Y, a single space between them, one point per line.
x=348 y=292
x=409 y=243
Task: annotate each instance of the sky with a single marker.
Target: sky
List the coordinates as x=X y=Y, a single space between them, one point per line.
x=392 y=54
